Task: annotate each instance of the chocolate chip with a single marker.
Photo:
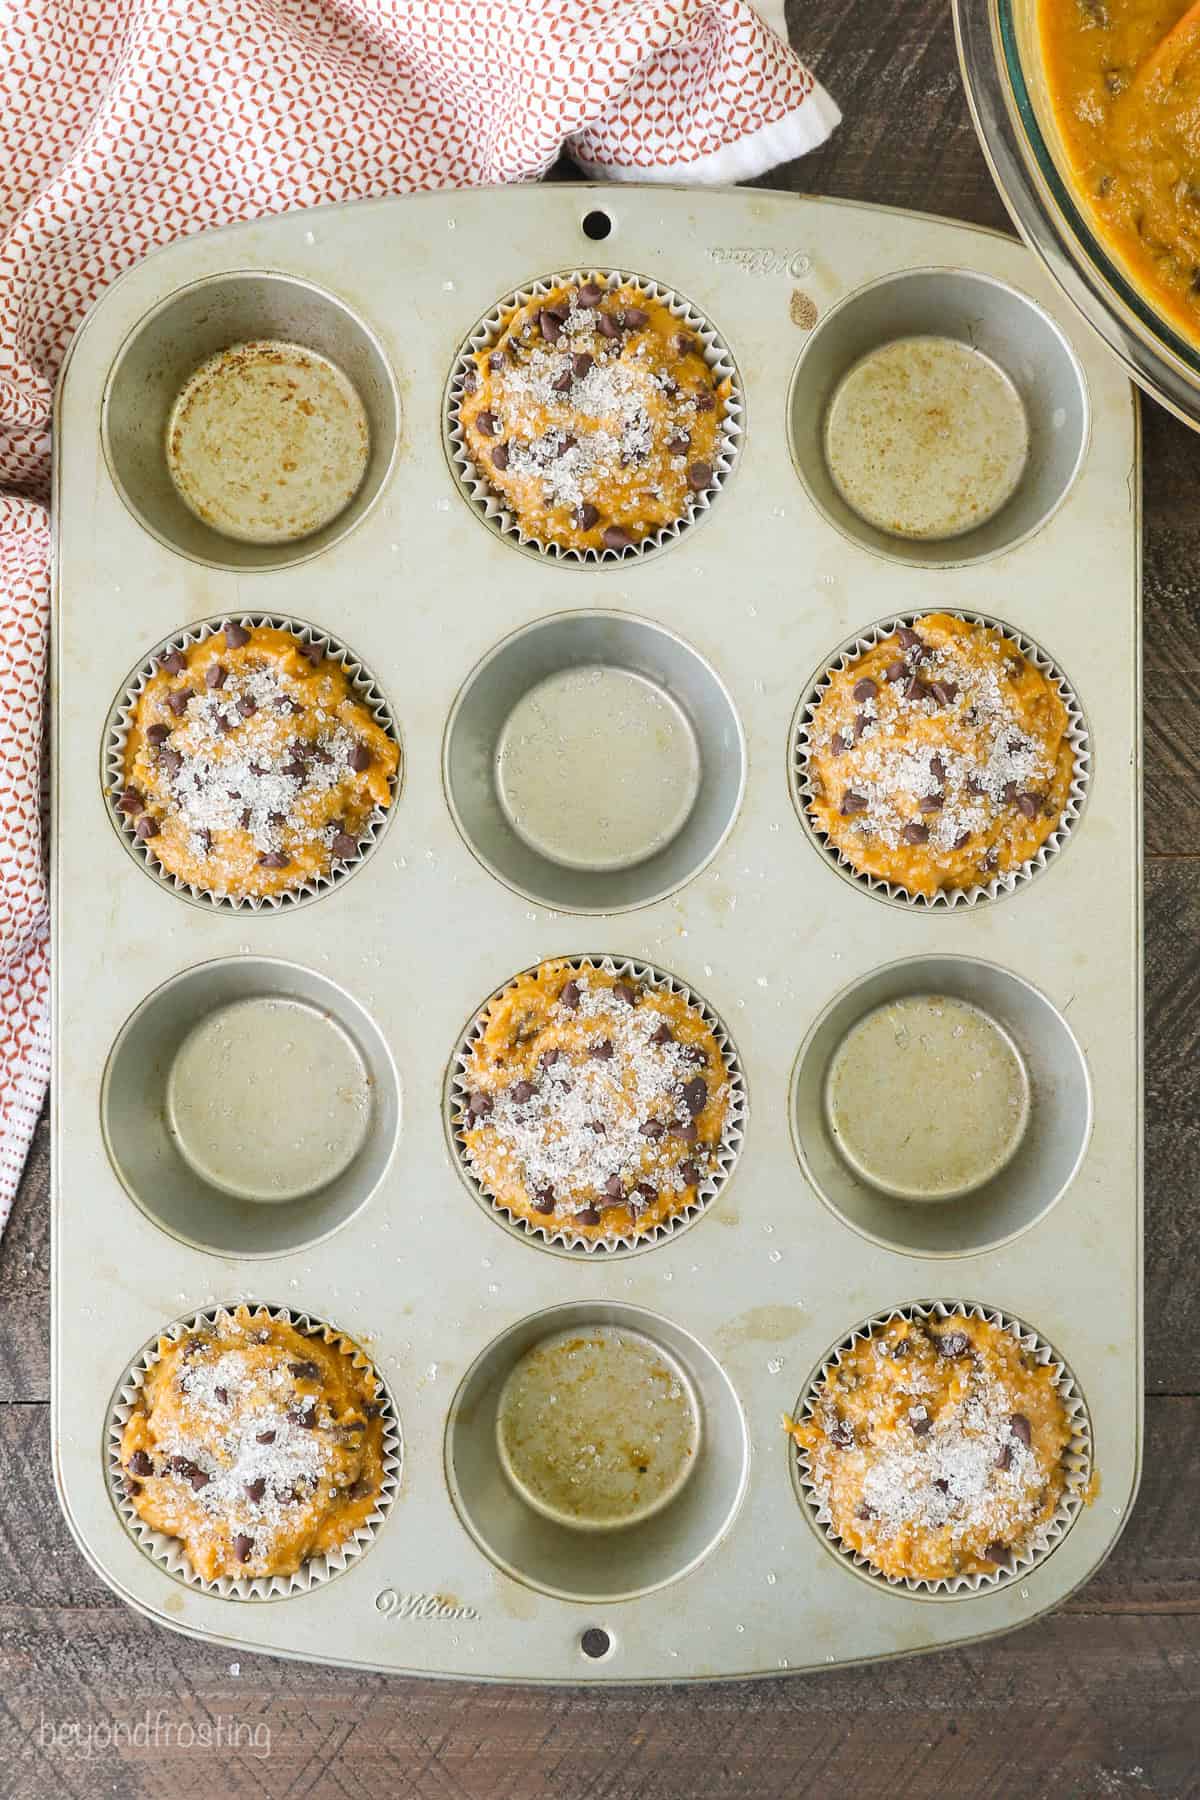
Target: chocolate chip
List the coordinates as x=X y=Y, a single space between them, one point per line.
x=479 y=1106
x=171 y=761
x=1020 y=1427
x=562 y=382
x=146 y=827
x=588 y=1215
x=305 y=1371
x=662 y=1034
x=596 y=1127
x=601 y=1051
x=694 y=1053
x=896 y=671
x=645 y=1191
x=548 y=1058
x=1003 y=1456
x=908 y=638
x=214 y=675
x=841 y=1434
x=1009 y=793
x=178 y=701
x=652 y=1129
x=360 y=758
x=864 y=689
x=837 y=745
x=689 y=1132
x=199 y=1480
x=705 y=402
x=852 y=803
x=500 y=457
x=944 y=691
x=132 y=1489
x=614 y=1187
x=497 y=361
x=551 y=323
x=130 y=801
x=615 y=537
x=633 y=318
x=952 y=1343
x=931 y=803
x=974 y=785
x=305 y=1416
x=174 y=662
x=222 y=1394
x=695 y=1094
x=937 y=769
x=963 y=838
x=570 y=996
x=264 y=1437
x=470 y=381
x=942 y=1486
x=999 y=1553
x=486 y=423
x=586 y=515
x=865 y=1512
x=257 y=1488
x=921 y=1423
x=581 y=364
x=344 y=846
x=915 y=689
x=690 y=1174
x=236 y=636
x=680 y=444
x=242 y=1547
x=683 y=343
x=1029 y=805
x=275 y=859
x=607 y=326
x=523 y=1091
x=699 y=476
x=543 y=1200
x=180 y=1465
x=157 y=734
x=314 y=654
x=140 y=1464
x=589 y=294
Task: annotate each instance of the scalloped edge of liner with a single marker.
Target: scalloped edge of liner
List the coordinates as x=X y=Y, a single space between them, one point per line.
x=728 y=1151
x=120 y=720
x=493 y=510
x=1077 y=1458
x=1000 y=886
x=168 y=1552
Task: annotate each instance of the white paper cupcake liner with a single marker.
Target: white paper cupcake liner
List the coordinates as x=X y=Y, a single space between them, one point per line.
x=119 y=722
x=1000 y=885
x=168 y=1552
x=492 y=506
x=1077 y=1457
x=559 y=1235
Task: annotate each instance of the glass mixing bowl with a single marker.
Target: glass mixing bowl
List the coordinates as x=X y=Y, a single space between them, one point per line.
x=1001 y=65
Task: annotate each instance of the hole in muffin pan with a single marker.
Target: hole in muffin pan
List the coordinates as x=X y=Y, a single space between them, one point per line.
x=940 y=1106
x=595 y=1642
x=596 y=225
x=250 y=1107
x=594 y=762
x=990 y=364
x=345 y=369
x=615 y=1547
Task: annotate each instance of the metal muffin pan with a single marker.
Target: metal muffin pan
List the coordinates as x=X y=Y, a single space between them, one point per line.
x=463 y=1577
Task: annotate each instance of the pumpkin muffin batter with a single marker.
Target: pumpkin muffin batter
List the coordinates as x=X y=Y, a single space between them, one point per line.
x=1124 y=84
x=251 y=767
x=254 y=1445
x=937 y=1448
x=594 y=415
x=940 y=757
x=594 y=1103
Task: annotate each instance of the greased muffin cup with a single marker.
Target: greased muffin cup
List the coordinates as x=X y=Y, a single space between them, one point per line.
x=120 y=721
x=492 y=507
x=1077 y=1457
x=1001 y=884
x=560 y=1237
x=168 y=1552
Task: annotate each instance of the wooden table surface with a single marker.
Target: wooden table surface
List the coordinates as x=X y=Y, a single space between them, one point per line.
x=1101 y=1700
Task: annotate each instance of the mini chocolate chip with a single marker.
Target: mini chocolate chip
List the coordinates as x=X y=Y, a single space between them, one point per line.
x=896 y=671
x=694 y=1053
x=264 y=1437
x=607 y=326
x=214 y=675
x=689 y=1132
x=595 y=1126
x=652 y=1129
x=662 y=1034
x=705 y=402
x=157 y=734
x=497 y=361
x=645 y=1191
x=589 y=294
x=588 y=1215
x=146 y=827
x=180 y=1465
x=1020 y=1427
x=952 y=1343
x=581 y=364
x=178 y=701
x=523 y=1091
x=615 y=537
x=344 y=846
x=838 y=745
x=543 y=1200
x=1029 y=805
x=563 y=381
x=174 y=662
x=314 y=654
x=132 y=1489
x=841 y=1434
x=486 y=422
x=864 y=689
x=500 y=457
x=908 y=638
x=199 y=1480
x=683 y=343
x=944 y=691
x=601 y=1051
x=999 y=1553
x=130 y=801
x=587 y=515
x=235 y=636
x=699 y=476
x=614 y=1187
x=305 y=1371
x=570 y=996
x=915 y=689
x=1003 y=1456
x=548 y=1058
x=479 y=1106
x=963 y=838
x=921 y=1423
x=1009 y=793
x=931 y=803
x=257 y=1488
x=974 y=785
x=360 y=758
x=470 y=381
x=937 y=769
x=942 y=1486
x=243 y=1547
x=551 y=323
x=695 y=1094
x=222 y=1395
x=140 y=1464
x=680 y=444
x=865 y=1512
x=690 y=1174
x=852 y=803
x=170 y=760
x=633 y=318
x=304 y=1416
x=915 y=834
x=275 y=859
x=624 y=992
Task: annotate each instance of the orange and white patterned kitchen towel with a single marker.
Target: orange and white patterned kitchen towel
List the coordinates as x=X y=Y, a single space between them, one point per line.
x=127 y=123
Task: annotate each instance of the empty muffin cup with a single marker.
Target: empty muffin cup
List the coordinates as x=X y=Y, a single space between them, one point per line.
x=938 y=417
x=940 y=1106
x=594 y=762
x=250 y=1107
x=596 y=1451
x=250 y=420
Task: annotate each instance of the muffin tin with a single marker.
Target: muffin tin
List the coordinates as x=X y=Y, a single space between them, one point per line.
x=471 y=880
